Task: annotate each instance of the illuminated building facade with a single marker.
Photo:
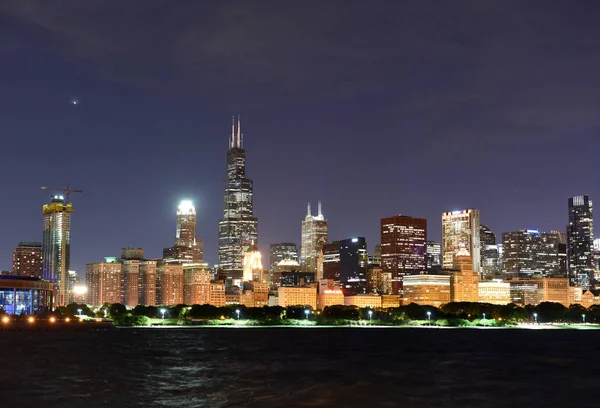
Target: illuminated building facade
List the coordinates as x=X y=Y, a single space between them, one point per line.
x=252 y=265
x=363 y=300
x=434 y=256
x=330 y=297
x=464 y=283
x=597 y=254
x=490 y=257
x=346 y=262
x=403 y=248
x=314 y=236
x=27 y=259
x=284 y=251
x=104 y=281
x=147 y=283
x=25 y=295
x=580 y=238
x=297 y=296
x=388 y=301
x=130 y=275
x=188 y=248
x=196 y=284
x=217 y=294
x=528 y=252
x=56 y=247
x=495 y=292
x=297 y=278
x=169 y=284
x=422 y=289
x=238 y=229
x=461 y=229
x=260 y=293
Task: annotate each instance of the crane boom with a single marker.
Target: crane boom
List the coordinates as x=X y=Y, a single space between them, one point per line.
x=66 y=190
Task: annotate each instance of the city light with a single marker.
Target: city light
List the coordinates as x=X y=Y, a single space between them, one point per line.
x=163 y=311
x=429 y=317
x=370 y=315
x=31 y=319
x=80 y=290
x=5 y=319
x=79 y=312
x=237 y=311
x=306 y=312
x=52 y=319
x=535 y=317
x=67 y=320
x=583 y=317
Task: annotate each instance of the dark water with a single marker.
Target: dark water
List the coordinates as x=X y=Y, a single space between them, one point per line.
x=270 y=367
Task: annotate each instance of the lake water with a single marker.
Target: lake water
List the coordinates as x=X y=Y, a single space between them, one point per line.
x=304 y=367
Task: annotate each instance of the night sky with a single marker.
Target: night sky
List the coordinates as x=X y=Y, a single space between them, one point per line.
x=376 y=108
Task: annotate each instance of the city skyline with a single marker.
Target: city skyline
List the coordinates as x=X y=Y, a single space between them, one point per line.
x=473 y=90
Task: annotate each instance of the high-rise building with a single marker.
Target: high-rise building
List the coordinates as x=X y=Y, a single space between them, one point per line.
x=104 y=282
x=597 y=253
x=528 y=252
x=345 y=262
x=461 y=229
x=27 y=259
x=56 y=248
x=238 y=229
x=403 y=247
x=423 y=289
x=434 y=256
x=464 y=283
x=130 y=285
x=281 y=252
x=314 y=236
x=489 y=252
x=147 y=283
x=196 y=284
x=252 y=265
x=580 y=237
x=169 y=284
x=188 y=248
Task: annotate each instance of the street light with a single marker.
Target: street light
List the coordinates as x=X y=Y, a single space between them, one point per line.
x=535 y=317
x=583 y=317
x=237 y=311
x=370 y=315
x=429 y=317
x=306 y=312
x=79 y=312
x=163 y=311
x=484 y=316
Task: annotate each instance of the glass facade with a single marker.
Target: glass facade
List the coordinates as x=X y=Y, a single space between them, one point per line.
x=314 y=236
x=580 y=237
x=461 y=229
x=19 y=295
x=56 y=253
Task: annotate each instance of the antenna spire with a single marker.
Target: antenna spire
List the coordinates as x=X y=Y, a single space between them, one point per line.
x=308 y=210
x=319 y=206
x=232 y=138
x=239 y=135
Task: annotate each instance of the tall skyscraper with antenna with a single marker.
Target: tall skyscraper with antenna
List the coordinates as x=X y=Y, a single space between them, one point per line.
x=238 y=229
x=314 y=236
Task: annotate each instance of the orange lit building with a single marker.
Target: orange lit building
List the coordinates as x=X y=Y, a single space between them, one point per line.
x=297 y=296
x=388 y=301
x=196 y=284
x=464 y=283
x=130 y=273
x=169 y=284
x=27 y=259
x=495 y=292
x=330 y=297
x=368 y=300
x=104 y=282
x=147 y=283
x=423 y=289
x=217 y=294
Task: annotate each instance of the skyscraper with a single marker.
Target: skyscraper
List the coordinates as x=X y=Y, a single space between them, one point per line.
x=403 y=247
x=580 y=238
x=238 y=230
x=56 y=248
x=282 y=251
x=461 y=229
x=528 y=252
x=434 y=255
x=314 y=236
x=104 y=281
x=345 y=262
x=188 y=248
x=27 y=259
x=489 y=252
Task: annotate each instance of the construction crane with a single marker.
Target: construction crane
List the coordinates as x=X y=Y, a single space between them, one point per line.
x=66 y=191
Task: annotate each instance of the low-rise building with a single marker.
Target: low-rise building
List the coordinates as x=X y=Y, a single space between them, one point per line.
x=494 y=291
x=297 y=296
x=431 y=290
x=330 y=297
x=217 y=294
x=388 y=301
x=363 y=300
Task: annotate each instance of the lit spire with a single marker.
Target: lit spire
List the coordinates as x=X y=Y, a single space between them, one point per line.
x=319 y=207
x=232 y=139
x=308 y=210
x=239 y=135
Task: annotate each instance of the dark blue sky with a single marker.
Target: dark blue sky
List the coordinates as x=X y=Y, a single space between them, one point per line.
x=376 y=108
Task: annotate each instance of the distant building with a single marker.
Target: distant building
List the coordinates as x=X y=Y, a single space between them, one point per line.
x=196 y=284
x=296 y=278
x=528 y=252
x=104 y=282
x=260 y=293
x=464 y=283
x=136 y=254
x=130 y=282
x=217 y=294
x=56 y=254
x=374 y=279
x=252 y=265
x=297 y=296
x=495 y=292
x=329 y=294
x=532 y=291
x=27 y=259
x=33 y=295
x=147 y=283
x=188 y=248
x=461 y=229
x=490 y=257
x=345 y=262
x=169 y=284
x=363 y=300
x=376 y=260
x=434 y=256
x=281 y=252
x=403 y=248
x=238 y=229
x=580 y=236
x=388 y=301
x=422 y=289
x=314 y=236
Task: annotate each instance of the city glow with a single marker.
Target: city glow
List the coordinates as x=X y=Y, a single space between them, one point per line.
x=5 y=319
x=30 y=319
x=80 y=290
x=67 y=320
x=186 y=207
x=52 y=319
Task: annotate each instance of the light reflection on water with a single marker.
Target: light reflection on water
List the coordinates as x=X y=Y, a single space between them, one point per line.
x=298 y=368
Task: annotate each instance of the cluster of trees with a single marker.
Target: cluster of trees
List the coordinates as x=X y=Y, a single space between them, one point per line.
x=453 y=314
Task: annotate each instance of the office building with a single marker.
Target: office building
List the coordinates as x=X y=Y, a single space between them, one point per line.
x=403 y=248
x=528 y=252
x=217 y=294
x=495 y=292
x=580 y=238
x=25 y=295
x=27 y=259
x=314 y=236
x=296 y=278
x=461 y=229
x=434 y=256
x=489 y=253
x=196 y=284
x=363 y=300
x=188 y=248
x=297 y=296
x=56 y=247
x=169 y=284
x=346 y=262
x=423 y=289
x=283 y=251
x=104 y=281
x=329 y=295
x=464 y=282
x=130 y=282
x=260 y=293
x=147 y=283
x=252 y=265
x=238 y=229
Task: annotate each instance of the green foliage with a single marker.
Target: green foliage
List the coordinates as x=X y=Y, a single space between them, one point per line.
x=129 y=320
